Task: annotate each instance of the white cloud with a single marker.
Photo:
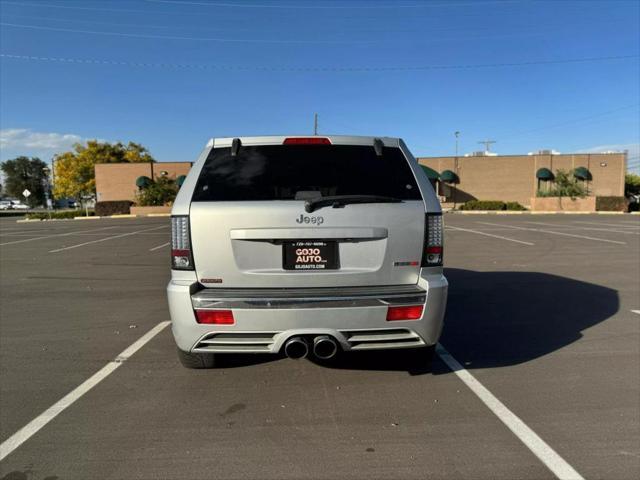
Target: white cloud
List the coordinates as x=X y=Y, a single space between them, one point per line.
x=633 y=155
x=633 y=148
x=23 y=138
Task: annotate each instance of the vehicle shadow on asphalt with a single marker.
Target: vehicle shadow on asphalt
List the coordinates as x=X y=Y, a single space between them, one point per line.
x=493 y=319
x=399 y=360
x=497 y=319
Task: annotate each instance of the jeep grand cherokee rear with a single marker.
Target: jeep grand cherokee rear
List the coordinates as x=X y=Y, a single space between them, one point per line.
x=306 y=246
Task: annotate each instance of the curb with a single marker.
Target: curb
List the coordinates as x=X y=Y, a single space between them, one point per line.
x=540 y=212
x=489 y=212
x=94 y=217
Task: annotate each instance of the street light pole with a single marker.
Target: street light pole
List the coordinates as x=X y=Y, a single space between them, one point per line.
x=47 y=190
x=455 y=168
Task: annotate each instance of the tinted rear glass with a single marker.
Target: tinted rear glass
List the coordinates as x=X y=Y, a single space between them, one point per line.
x=279 y=172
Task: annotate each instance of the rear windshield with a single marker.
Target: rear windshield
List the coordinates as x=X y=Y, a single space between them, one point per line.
x=289 y=172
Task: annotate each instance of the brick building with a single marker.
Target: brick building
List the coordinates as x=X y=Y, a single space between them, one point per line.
x=517 y=178
x=457 y=179
x=117 y=181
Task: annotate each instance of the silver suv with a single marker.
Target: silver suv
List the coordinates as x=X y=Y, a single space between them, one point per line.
x=305 y=246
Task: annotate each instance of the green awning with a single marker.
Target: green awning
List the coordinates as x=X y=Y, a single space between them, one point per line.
x=180 y=180
x=143 y=182
x=431 y=173
x=449 y=177
x=582 y=173
x=544 y=174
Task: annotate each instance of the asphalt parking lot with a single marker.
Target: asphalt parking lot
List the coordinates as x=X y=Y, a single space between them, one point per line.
x=543 y=312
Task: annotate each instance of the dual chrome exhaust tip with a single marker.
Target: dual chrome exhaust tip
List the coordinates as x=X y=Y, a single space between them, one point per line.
x=324 y=347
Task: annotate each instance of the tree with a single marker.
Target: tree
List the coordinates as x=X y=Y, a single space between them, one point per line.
x=74 y=170
x=565 y=185
x=26 y=173
x=631 y=184
x=161 y=191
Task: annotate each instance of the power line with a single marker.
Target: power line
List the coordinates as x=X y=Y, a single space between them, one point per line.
x=235 y=5
x=286 y=68
x=375 y=40
x=569 y=122
x=174 y=37
x=438 y=37
x=94 y=9
x=299 y=6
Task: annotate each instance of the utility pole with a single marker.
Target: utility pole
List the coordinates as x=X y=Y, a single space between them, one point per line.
x=457 y=134
x=315 y=124
x=487 y=144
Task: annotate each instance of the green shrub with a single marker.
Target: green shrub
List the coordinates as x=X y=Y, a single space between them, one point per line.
x=114 y=207
x=162 y=191
x=483 y=205
x=66 y=214
x=611 y=204
x=11 y=213
x=514 y=206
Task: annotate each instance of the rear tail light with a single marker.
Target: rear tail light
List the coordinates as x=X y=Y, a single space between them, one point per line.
x=215 y=317
x=413 y=312
x=181 y=258
x=306 y=141
x=433 y=240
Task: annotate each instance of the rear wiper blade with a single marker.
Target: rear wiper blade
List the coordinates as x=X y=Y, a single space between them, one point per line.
x=342 y=200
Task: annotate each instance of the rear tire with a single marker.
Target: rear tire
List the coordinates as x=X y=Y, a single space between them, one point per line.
x=196 y=360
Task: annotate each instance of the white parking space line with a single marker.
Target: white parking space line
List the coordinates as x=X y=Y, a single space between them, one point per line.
x=80 y=234
x=553 y=232
x=619 y=225
x=636 y=311
x=159 y=247
x=26 y=432
x=627 y=232
x=489 y=235
x=105 y=239
x=55 y=235
x=29 y=232
x=547 y=455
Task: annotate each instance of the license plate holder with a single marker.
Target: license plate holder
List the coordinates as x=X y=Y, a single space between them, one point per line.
x=310 y=255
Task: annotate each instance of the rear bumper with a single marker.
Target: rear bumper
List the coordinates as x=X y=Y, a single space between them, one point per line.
x=266 y=318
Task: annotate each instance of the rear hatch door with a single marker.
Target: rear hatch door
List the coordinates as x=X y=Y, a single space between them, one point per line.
x=250 y=227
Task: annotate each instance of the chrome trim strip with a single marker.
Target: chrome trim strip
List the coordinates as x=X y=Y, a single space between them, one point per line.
x=292 y=298
x=293 y=303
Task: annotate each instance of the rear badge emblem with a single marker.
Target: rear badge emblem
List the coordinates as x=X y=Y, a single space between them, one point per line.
x=211 y=280
x=314 y=220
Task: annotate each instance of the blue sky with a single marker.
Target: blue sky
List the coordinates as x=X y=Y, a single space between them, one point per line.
x=188 y=70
